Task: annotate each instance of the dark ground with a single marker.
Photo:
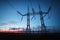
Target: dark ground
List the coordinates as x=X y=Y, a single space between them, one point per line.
x=17 y=36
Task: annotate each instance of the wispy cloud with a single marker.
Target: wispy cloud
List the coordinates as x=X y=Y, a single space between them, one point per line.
x=1 y=24
x=11 y=24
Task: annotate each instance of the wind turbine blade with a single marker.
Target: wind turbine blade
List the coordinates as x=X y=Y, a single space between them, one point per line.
x=49 y=9
x=50 y=6
x=21 y=18
x=19 y=13
x=33 y=17
x=33 y=12
x=39 y=6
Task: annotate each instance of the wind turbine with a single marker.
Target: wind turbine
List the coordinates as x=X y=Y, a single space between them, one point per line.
x=42 y=15
x=28 y=19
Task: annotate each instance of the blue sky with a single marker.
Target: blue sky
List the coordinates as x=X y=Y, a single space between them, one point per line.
x=10 y=18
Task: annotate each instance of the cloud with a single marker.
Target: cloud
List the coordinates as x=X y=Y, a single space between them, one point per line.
x=1 y=24
x=7 y=23
x=12 y=22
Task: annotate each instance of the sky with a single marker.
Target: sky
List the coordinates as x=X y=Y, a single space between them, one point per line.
x=10 y=18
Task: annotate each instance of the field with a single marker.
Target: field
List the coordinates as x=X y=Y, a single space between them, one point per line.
x=20 y=34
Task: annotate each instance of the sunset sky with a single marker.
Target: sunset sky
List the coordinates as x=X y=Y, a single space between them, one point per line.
x=10 y=18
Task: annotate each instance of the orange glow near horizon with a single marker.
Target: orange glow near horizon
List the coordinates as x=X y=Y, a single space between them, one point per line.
x=12 y=31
